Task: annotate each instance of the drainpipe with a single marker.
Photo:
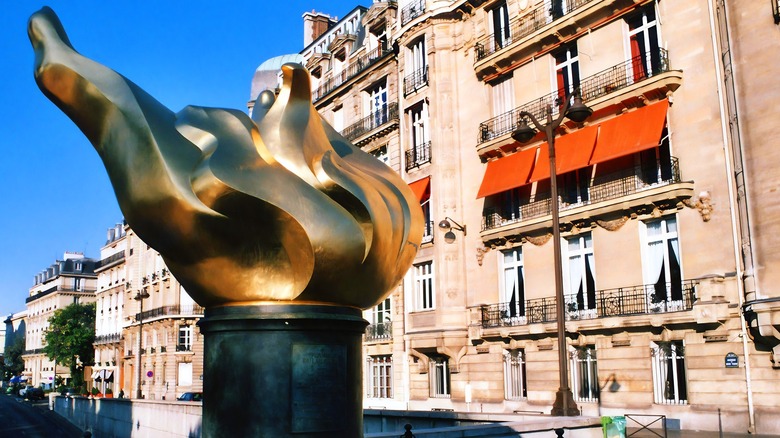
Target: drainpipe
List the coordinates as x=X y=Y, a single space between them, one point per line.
x=733 y=206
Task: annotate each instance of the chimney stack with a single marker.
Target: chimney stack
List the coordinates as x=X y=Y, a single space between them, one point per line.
x=314 y=25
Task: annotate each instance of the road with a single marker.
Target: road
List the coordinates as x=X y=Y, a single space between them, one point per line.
x=20 y=418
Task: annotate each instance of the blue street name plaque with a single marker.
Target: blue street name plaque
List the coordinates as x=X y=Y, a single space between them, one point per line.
x=732 y=360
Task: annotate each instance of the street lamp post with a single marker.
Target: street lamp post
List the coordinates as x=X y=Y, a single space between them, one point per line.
x=140 y=296
x=564 y=404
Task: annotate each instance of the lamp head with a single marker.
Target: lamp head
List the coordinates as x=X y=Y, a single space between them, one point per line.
x=523 y=133
x=578 y=111
x=449 y=236
x=444 y=224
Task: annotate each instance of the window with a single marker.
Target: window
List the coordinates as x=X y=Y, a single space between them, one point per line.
x=662 y=270
x=382 y=312
x=499 y=19
x=338 y=119
x=556 y=9
x=423 y=285
x=514 y=374
x=584 y=375
x=440 y=377
x=425 y=204
x=185 y=374
x=573 y=186
x=581 y=295
x=567 y=72
x=513 y=286
x=376 y=104
x=380 y=154
x=644 y=44
x=419 y=151
x=185 y=338
x=417 y=67
x=503 y=95
x=656 y=163
x=669 y=385
x=380 y=377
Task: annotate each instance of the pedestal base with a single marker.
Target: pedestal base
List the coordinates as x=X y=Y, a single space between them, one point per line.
x=282 y=371
x=569 y=409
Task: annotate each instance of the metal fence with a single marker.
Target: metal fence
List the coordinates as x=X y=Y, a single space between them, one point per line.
x=624 y=301
x=416 y=80
x=332 y=81
x=379 y=331
x=418 y=155
x=412 y=11
x=367 y=124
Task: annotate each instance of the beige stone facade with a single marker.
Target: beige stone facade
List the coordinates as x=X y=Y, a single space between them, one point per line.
x=666 y=203
x=67 y=281
x=171 y=344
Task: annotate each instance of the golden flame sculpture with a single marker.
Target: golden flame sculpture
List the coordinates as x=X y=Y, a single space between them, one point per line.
x=277 y=209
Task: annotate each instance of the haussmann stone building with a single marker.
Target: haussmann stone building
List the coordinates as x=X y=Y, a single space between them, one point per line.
x=667 y=196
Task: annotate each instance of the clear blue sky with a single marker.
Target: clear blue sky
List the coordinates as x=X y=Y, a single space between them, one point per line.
x=54 y=191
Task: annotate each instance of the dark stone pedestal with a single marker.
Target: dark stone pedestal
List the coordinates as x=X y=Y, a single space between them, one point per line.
x=282 y=371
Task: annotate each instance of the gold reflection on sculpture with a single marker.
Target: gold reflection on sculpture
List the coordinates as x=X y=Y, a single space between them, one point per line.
x=280 y=208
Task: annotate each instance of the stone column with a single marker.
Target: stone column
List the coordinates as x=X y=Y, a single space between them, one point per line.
x=282 y=371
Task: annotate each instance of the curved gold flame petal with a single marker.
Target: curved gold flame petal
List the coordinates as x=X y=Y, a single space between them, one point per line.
x=284 y=209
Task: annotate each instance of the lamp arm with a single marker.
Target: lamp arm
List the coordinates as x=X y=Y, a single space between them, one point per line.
x=539 y=126
x=457 y=226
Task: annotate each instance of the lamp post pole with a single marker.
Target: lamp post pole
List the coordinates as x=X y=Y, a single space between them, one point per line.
x=564 y=404
x=140 y=296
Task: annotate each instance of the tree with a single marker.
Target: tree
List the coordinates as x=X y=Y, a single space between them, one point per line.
x=13 y=362
x=69 y=339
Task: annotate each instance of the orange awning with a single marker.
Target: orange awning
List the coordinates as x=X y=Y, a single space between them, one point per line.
x=572 y=152
x=507 y=173
x=630 y=133
x=420 y=187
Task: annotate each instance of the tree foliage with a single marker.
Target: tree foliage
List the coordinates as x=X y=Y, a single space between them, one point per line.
x=69 y=338
x=13 y=364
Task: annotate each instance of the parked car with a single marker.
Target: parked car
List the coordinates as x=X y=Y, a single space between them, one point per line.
x=33 y=393
x=24 y=389
x=191 y=396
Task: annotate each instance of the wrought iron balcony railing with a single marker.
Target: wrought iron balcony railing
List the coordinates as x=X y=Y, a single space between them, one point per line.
x=108 y=339
x=428 y=232
x=110 y=259
x=190 y=310
x=183 y=347
x=526 y=25
x=332 y=81
x=624 y=301
x=51 y=290
x=416 y=80
x=610 y=186
x=636 y=69
x=412 y=11
x=386 y=114
x=379 y=331
x=418 y=155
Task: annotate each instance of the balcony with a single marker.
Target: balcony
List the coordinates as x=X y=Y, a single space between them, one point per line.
x=634 y=188
x=108 y=339
x=378 y=123
x=624 y=301
x=418 y=155
x=541 y=27
x=412 y=11
x=382 y=331
x=110 y=261
x=333 y=81
x=428 y=232
x=415 y=81
x=183 y=347
x=631 y=77
x=177 y=310
x=70 y=289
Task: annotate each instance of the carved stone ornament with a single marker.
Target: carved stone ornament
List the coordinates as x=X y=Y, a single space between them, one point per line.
x=539 y=240
x=703 y=203
x=614 y=224
x=481 y=254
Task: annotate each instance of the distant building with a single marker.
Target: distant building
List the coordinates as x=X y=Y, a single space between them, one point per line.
x=67 y=281
x=15 y=327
